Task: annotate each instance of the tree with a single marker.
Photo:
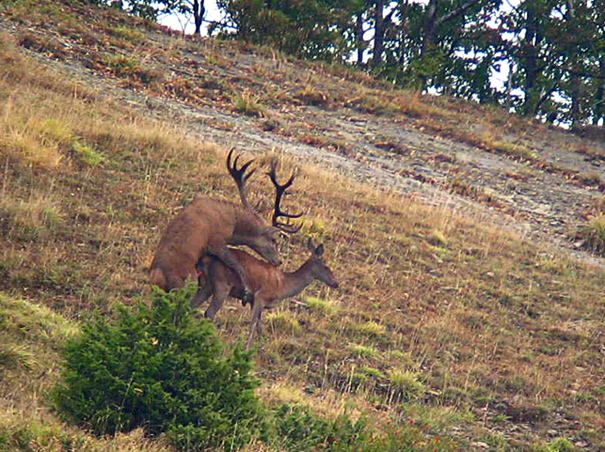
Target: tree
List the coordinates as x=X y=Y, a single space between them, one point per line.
x=153 y=9
x=312 y=29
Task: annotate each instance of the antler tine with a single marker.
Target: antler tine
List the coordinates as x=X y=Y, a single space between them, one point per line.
x=239 y=175
x=280 y=190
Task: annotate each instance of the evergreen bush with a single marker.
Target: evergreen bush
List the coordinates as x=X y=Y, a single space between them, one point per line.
x=160 y=368
x=300 y=430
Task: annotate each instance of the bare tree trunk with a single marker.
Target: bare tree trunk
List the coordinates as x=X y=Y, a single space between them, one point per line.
x=429 y=28
x=574 y=80
x=359 y=38
x=598 y=110
x=530 y=63
x=378 y=33
x=198 y=15
x=404 y=27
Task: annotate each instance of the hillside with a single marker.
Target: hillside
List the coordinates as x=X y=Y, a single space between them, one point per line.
x=468 y=310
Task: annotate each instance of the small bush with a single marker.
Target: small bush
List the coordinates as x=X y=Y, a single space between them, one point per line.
x=592 y=235
x=371 y=329
x=321 y=306
x=312 y=96
x=298 y=429
x=14 y=355
x=283 y=321
x=87 y=153
x=561 y=445
x=363 y=351
x=438 y=239
x=405 y=384
x=159 y=368
x=248 y=104
x=129 y=34
x=121 y=65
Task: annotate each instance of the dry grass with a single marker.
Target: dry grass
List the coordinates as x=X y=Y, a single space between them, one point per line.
x=440 y=320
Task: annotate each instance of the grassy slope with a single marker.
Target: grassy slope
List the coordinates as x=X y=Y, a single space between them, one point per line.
x=455 y=326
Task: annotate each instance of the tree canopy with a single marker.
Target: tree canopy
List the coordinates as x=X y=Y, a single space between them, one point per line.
x=539 y=58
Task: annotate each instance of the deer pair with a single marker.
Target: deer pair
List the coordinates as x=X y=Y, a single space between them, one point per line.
x=197 y=241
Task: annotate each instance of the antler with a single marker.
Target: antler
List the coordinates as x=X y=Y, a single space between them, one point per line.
x=239 y=176
x=279 y=192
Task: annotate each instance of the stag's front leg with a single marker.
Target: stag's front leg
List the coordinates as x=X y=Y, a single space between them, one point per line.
x=224 y=254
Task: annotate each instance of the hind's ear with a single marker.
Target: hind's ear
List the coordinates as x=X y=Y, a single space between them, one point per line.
x=310 y=245
x=319 y=251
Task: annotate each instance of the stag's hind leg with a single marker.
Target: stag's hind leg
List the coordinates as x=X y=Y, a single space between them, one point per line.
x=202 y=294
x=205 y=285
x=220 y=292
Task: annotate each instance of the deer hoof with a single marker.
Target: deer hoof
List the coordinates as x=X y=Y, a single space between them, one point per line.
x=248 y=297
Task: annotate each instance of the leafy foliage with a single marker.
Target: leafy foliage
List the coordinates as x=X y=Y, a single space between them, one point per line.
x=309 y=29
x=158 y=367
x=299 y=429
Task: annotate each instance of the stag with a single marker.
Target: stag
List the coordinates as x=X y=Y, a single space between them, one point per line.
x=207 y=225
x=270 y=284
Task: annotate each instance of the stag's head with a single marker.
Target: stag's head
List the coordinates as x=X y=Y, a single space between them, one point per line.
x=319 y=268
x=255 y=232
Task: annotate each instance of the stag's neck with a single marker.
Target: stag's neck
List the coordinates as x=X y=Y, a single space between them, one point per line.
x=297 y=281
x=247 y=224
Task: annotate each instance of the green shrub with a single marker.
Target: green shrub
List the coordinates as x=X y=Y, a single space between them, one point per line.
x=160 y=368
x=592 y=235
x=87 y=153
x=561 y=445
x=298 y=429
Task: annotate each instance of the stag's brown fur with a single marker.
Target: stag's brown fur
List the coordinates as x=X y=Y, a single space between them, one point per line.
x=207 y=226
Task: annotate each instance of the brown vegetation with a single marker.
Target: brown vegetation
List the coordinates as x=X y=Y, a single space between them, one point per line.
x=441 y=320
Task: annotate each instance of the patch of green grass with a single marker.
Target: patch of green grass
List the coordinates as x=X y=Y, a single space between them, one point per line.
x=29 y=220
x=34 y=321
x=122 y=65
x=406 y=384
x=284 y=321
x=130 y=67
x=87 y=153
x=58 y=130
x=558 y=445
x=513 y=150
x=16 y=355
x=372 y=372
x=556 y=265
x=371 y=329
x=438 y=239
x=321 y=306
x=128 y=33
x=592 y=235
x=363 y=351
x=315 y=227
x=248 y=104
